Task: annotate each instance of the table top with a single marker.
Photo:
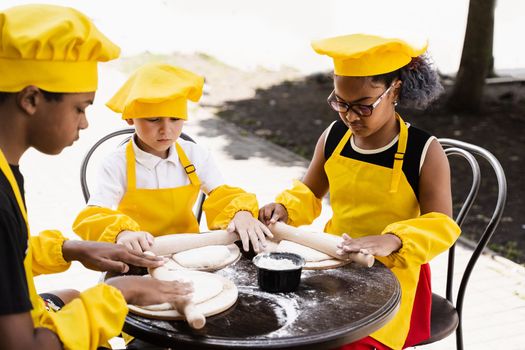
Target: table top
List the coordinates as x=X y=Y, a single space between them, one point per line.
x=330 y=308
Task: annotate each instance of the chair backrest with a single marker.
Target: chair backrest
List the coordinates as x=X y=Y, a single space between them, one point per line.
x=468 y=152
x=112 y=135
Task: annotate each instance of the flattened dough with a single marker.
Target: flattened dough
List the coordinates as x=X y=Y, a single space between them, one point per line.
x=205 y=286
x=204 y=257
x=223 y=301
x=309 y=254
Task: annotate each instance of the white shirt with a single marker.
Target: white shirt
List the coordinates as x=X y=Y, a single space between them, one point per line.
x=153 y=172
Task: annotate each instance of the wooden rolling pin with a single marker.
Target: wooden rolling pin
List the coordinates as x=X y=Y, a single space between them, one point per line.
x=193 y=316
x=323 y=242
x=171 y=244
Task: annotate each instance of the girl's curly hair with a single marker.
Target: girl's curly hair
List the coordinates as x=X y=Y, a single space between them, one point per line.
x=420 y=82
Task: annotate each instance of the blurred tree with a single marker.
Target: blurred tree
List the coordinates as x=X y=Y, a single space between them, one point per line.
x=477 y=61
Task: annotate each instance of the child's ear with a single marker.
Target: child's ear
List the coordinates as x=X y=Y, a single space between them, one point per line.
x=397 y=87
x=28 y=99
x=397 y=84
x=130 y=121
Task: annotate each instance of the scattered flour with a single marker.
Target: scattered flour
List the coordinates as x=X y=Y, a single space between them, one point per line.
x=276 y=264
x=287 y=309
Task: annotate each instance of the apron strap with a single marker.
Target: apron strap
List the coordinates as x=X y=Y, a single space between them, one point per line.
x=130 y=166
x=4 y=166
x=6 y=169
x=131 y=172
x=343 y=141
x=397 y=169
x=188 y=166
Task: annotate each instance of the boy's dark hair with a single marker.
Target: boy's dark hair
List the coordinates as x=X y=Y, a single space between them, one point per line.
x=421 y=83
x=49 y=96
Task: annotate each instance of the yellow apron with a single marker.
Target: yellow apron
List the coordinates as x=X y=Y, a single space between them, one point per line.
x=165 y=210
x=365 y=199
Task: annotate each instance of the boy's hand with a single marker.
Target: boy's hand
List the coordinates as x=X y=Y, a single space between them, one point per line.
x=380 y=245
x=273 y=212
x=138 y=290
x=136 y=240
x=102 y=256
x=249 y=229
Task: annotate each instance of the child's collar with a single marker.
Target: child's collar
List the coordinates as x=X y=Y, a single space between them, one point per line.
x=150 y=161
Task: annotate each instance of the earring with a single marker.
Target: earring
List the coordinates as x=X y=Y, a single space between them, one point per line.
x=395 y=103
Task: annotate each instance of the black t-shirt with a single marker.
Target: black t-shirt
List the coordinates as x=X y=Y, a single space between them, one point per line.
x=14 y=293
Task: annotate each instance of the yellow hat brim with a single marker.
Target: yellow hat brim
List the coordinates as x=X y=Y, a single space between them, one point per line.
x=52 y=76
x=176 y=108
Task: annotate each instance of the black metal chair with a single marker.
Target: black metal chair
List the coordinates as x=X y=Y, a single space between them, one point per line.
x=446 y=314
x=112 y=135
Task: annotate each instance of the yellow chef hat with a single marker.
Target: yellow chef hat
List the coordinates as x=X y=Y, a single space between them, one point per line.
x=359 y=55
x=157 y=90
x=53 y=47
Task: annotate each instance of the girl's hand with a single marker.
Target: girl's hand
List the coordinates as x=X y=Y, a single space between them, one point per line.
x=103 y=256
x=273 y=212
x=249 y=229
x=380 y=245
x=138 y=290
x=140 y=241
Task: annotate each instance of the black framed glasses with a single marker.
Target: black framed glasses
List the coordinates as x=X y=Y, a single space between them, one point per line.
x=341 y=106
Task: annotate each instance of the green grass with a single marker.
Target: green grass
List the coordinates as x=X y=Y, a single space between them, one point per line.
x=509 y=250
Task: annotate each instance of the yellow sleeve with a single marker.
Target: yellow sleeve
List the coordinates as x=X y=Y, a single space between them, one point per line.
x=422 y=238
x=102 y=224
x=89 y=321
x=301 y=203
x=47 y=253
x=224 y=202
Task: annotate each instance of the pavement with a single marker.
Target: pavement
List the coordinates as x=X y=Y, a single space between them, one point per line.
x=494 y=307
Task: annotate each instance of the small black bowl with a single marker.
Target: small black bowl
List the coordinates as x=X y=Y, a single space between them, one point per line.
x=279 y=280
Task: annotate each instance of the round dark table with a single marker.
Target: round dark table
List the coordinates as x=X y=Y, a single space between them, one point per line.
x=329 y=309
